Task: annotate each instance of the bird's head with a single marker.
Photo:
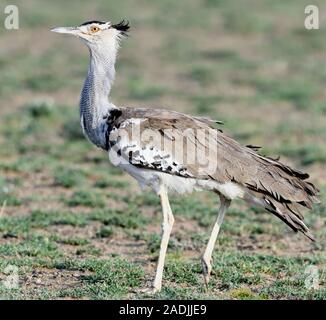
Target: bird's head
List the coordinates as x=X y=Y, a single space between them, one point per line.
x=98 y=34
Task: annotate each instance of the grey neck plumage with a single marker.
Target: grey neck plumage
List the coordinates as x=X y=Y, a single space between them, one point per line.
x=94 y=102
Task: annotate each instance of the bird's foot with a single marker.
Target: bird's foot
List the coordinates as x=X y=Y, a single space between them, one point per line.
x=206 y=280
x=207 y=268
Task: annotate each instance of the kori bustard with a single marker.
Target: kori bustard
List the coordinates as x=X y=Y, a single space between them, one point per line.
x=174 y=152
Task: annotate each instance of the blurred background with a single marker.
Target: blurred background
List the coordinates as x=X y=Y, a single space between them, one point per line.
x=76 y=227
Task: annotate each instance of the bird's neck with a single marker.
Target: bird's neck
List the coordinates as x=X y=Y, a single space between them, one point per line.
x=94 y=102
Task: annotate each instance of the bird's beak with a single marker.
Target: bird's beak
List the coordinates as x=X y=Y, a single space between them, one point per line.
x=67 y=30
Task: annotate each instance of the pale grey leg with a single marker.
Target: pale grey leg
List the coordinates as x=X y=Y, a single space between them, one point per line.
x=207 y=256
x=167 y=225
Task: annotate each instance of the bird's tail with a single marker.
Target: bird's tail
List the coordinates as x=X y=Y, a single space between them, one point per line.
x=285 y=190
x=290 y=214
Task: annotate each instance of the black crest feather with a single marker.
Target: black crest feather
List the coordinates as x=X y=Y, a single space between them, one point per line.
x=91 y=22
x=122 y=26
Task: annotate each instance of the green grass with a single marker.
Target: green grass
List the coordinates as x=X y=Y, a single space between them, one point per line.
x=72 y=220
x=10 y=199
x=68 y=178
x=32 y=246
x=104 y=183
x=86 y=199
x=105 y=232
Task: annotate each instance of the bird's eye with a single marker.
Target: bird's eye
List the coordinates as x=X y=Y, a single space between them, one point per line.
x=94 y=29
